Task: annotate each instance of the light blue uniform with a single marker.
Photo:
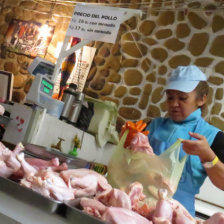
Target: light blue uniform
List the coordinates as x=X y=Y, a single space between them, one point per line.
x=164 y=132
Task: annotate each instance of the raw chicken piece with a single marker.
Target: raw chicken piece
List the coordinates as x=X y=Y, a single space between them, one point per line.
x=2 y=110
x=57 y=187
x=42 y=164
x=180 y=214
x=61 y=167
x=58 y=192
x=39 y=164
x=123 y=216
x=163 y=211
x=4 y=170
x=36 y=184
x=170 y=211
x=85 y=186
x=217 y=218
x=180 y=217
x=199 y=221
x=102 y=183
x=92 y=207
x=133 y=129
x=115 y=198
x=145 y=210
x=52 y=177
x=162 y=221
x=49 y=184
x=27 y=182
x=135 y=193
x=19 y=148
x=10 y=159
x=27 y=168
x=2 y=148
x=140 y=143
x=9 y=162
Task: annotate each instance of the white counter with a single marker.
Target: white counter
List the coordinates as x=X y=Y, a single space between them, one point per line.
x=210 y=199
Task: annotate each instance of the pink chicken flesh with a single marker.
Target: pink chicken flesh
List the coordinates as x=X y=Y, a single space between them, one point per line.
x=81 y=184
x=92 y=207
x=135 y=193
x=9 y=160
x=217 y=218
x=49 y=184
x=115 y=198
x=140 y=143
x=123 y=216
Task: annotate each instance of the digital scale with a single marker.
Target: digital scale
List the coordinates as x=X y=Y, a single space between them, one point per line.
x=41 y=66
x=41 y=90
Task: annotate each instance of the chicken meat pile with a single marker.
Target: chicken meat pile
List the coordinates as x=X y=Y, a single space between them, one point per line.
x=97 y=197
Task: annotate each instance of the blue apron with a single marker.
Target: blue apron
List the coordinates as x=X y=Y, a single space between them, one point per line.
x=164 y=132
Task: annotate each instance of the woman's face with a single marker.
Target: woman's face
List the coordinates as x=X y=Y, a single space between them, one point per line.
x=181 y=105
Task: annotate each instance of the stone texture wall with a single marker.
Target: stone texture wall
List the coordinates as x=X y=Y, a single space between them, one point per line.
x=133 y=72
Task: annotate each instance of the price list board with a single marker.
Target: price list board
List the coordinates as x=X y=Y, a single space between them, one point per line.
x=99 y=23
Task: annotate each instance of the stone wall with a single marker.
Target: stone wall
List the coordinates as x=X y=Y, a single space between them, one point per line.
x=57 y=15
x=133 y=72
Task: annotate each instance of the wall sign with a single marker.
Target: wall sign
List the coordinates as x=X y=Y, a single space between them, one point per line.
x=99 y=23
x=28 y=37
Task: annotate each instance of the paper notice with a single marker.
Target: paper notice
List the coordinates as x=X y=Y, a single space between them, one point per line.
x=99 y=23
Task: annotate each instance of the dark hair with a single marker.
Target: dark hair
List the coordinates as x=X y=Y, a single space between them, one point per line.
x=202 y=90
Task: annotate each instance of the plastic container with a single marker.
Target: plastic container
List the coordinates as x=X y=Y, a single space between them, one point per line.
x=55 y=108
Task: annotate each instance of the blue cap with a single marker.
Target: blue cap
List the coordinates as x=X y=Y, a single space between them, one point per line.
x=185 y=78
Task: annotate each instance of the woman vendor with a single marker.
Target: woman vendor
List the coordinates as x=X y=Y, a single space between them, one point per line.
x=186 y=94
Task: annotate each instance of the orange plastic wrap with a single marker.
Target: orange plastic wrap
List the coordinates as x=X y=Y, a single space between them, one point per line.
x=133 y=128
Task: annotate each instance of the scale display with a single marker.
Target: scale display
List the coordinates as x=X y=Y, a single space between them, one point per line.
x=46 y=87
x=41 y=91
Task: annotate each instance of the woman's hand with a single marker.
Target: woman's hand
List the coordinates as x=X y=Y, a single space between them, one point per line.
x=199 y=147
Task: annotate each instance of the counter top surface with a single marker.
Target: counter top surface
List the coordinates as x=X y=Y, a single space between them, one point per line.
x=207 y=208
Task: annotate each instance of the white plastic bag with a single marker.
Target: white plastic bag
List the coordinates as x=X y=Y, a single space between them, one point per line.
x=152 y=171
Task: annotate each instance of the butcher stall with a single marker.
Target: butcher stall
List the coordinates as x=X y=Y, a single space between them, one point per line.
x=60 y=172
x=25 y=203
x=35 y=198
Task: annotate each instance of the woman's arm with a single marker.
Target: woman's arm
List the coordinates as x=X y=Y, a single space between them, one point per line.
x=201 y=148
